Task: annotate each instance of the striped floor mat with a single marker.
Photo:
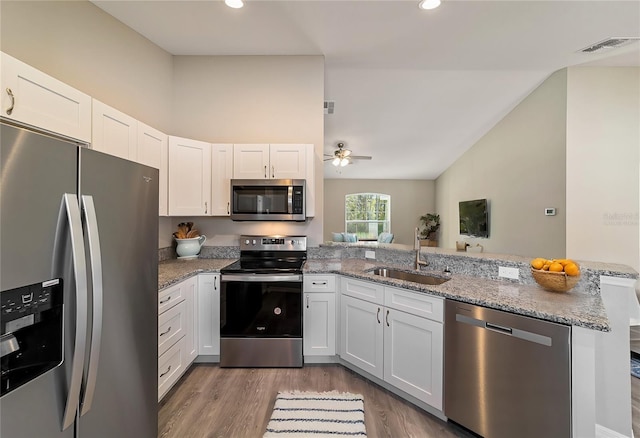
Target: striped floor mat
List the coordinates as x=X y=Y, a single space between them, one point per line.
x=317 y=415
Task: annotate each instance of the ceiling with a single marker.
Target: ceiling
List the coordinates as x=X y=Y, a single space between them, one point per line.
x=412 y=88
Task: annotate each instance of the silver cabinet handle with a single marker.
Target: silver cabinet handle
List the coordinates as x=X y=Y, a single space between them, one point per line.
x=265 y=171
x=71 y=210
x=215 y=283
x=319 y=283
x=164 y=333
x=378 y=315
x=387 y=317
x=273 y=172
x=228 y=210
x=205 y=208
x=95 y=259
x=307 y=301
x=168 y=369
x=165 y=301
x=13 y=101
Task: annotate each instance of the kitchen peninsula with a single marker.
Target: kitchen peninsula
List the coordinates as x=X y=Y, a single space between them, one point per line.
x=595 y=309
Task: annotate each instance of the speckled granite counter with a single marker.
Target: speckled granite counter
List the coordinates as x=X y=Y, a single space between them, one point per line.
x=173 y=271
x=573 y=307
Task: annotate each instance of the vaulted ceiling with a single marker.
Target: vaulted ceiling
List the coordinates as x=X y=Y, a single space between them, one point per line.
x=414 y=89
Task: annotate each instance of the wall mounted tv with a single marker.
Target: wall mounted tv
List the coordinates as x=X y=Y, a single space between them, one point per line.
x=474 y=218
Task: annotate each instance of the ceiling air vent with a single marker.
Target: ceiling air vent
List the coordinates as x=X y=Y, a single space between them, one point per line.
x=328 y=106
x=609 y=43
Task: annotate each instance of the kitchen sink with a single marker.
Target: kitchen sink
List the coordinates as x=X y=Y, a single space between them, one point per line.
x=409 y=276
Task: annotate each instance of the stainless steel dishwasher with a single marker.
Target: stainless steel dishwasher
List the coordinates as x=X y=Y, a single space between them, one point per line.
x=506 y=375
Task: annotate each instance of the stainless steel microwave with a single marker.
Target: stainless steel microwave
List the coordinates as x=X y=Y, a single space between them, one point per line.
x=268 y=200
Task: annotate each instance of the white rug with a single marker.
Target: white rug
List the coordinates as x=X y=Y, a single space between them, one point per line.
x=317 y=414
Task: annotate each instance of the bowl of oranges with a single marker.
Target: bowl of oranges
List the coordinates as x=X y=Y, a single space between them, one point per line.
x=557 y=275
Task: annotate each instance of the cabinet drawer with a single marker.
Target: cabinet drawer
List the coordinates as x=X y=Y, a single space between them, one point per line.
x=170 y=297
x=319 y=283
x=415 y=303
x=364 y=290
x=170 y=367
x=171 y=327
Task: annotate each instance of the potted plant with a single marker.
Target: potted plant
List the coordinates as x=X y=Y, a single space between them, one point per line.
x=431 y=224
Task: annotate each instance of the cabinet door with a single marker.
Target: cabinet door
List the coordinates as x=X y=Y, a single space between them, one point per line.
x=189 y=177
x=221 y=174
x=310 y=177
x=361 y=334
x=191 y=320
x=319 y=320
x=251 y=161
x=288 y=161
x=209 y=314
x=35 y=98
x=413 y=356
x=153 y=151
x=114 y=132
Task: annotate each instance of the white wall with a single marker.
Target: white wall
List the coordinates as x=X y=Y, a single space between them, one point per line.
x=410 y=199
x=519 y=166
x=252 y=99
x=603 y=153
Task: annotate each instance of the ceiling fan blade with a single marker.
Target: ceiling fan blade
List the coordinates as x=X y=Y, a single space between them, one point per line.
x=360 y=157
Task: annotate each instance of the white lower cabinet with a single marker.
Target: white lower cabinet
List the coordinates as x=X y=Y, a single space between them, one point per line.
x=177 y=334
x=404 y=348
x=209 y=314
x=319 y=316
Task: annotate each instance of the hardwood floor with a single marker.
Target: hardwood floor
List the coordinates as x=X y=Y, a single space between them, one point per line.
x=210 y=401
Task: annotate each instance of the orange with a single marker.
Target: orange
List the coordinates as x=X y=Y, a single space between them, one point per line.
x=555 y=267
x=537 y=263
x=545 y=267
x=572 y=269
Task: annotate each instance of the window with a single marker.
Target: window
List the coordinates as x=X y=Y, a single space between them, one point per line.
x=367 y=214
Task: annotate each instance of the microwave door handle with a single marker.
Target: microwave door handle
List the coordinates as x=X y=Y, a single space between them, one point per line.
x=70 y=214
x=290 y=200
x=95 y=259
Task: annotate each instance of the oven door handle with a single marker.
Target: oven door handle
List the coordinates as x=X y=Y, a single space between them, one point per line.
x=260 y=277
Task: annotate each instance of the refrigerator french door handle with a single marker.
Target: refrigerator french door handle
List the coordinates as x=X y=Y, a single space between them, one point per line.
x=95 y=259
x=72 y=213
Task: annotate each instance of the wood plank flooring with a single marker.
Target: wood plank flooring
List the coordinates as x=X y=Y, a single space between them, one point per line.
x=210 y=401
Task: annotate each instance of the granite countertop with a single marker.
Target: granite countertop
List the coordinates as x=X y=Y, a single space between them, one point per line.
x=174 y=271
x=573 y=307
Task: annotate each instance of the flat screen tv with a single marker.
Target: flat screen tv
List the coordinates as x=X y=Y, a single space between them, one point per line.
x=474 y=218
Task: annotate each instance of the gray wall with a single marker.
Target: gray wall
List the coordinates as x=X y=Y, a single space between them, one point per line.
x=519 y=166
x=410 y=199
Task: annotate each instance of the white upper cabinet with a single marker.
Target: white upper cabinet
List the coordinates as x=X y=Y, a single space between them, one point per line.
x=251 y=161
x=114 y=132
x=35 y=98
x=288 y=161
x=221 y=174
x=153 y=151
x=189 y=177
x=270 y=161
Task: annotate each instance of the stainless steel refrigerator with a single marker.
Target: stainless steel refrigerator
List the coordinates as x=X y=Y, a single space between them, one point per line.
x=84 y=224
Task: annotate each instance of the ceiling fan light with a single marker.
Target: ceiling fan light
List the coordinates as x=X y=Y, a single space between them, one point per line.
x=344 y=162
x=236 y=4
x=429 y=4
x=346 y=152
x=336 y=161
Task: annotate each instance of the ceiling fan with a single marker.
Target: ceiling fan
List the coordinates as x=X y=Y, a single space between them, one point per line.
x=341 y=156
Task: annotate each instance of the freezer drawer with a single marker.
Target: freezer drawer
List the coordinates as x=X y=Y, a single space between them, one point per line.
x=506 y=375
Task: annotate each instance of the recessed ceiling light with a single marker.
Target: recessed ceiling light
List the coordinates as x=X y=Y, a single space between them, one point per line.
x=429 y=4
x=236 y=4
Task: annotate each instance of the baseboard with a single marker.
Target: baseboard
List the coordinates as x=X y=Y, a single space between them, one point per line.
x=604 y=432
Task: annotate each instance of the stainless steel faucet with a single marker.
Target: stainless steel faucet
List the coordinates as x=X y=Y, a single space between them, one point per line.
x=416 y=245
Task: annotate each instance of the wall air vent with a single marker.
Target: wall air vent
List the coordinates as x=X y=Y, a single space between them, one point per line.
x=328 y=106
x=609 y=43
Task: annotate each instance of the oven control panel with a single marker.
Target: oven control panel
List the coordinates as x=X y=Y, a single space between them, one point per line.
x=273 y=243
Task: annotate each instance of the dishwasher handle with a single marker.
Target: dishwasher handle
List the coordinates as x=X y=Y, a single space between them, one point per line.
x=498 y=328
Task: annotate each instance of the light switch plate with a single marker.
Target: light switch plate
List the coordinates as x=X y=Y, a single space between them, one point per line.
x=369 y=254
x=513 y=273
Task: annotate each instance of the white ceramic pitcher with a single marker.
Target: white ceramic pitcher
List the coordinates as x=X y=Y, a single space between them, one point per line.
x=190 y=248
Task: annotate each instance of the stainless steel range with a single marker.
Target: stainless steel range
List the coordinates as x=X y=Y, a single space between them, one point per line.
x=261 y=303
